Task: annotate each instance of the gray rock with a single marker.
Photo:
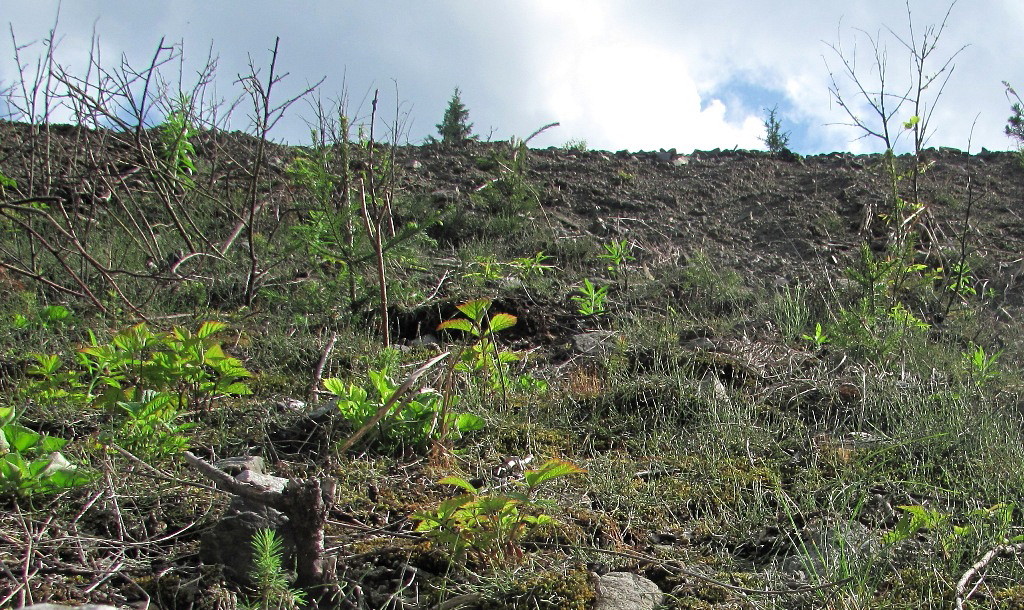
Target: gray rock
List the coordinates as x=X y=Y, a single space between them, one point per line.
x=266 y=481
x=594 y=342
x=626 y=591
x=821 y=549
x=229 y=541
x=237 y=465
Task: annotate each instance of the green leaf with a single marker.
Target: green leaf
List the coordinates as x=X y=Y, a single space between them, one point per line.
x=459 y=482
x=382 y=383
x=210 y=327
x=551 y=469
x=335 y=386
x=456 y=324
x=67 y=479
x=12 y=467
x=501 y=321
x=238 y=389
x=476 y=309
x=6 y=182
x=56 y=313
x=466 y=422
x=22 y=439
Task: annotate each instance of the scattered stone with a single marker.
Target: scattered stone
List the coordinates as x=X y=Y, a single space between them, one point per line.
x=626 y=591
x=290 y=404
x=594 y=342
x=266 y=481
x=821 y=548
x=712 y=387
x=237 y=465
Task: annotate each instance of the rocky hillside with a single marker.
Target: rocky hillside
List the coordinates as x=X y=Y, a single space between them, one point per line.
x=723 y=379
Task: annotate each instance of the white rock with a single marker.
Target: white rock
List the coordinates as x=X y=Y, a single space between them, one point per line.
x=626 y=591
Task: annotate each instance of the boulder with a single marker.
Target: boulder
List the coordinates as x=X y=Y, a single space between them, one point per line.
x=626 y=591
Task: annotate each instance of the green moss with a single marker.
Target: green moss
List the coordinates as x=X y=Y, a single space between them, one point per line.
x=548 y=590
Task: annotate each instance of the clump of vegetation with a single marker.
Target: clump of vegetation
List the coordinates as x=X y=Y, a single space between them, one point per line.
x=271 y=587
x=547 y=590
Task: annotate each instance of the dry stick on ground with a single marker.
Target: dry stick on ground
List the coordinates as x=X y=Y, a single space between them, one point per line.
x=395 y=397
x=1003 y=550
x=318 y=372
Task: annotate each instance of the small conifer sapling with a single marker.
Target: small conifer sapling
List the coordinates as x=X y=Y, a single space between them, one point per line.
x=774 y=138
x=455 y=127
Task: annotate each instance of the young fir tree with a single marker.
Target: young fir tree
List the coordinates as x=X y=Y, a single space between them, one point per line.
x=774 y=138
x=454 y=128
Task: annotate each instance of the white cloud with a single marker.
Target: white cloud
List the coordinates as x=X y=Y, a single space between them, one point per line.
x=639 y=74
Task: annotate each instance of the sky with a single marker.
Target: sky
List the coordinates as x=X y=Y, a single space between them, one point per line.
x=615 y=74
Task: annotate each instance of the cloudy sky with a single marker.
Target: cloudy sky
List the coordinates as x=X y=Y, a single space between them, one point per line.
x=617 y=74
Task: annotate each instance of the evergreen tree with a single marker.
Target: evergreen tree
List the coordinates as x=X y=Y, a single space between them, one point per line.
x=454 y=128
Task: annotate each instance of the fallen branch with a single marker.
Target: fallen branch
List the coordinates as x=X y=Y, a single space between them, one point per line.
x=1003 y=550
x=318 y=372
x=384 y=410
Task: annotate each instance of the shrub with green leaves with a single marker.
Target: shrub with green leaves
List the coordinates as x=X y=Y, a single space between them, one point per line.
x=483 y=356
x=415 y=424
x=492 y=524
x=31 y=463
x=192 y=367
x=175 y=137
x=146 y=379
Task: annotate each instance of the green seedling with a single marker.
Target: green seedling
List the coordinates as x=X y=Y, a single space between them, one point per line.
x=982 y=366
x=492 y=525
x=268 y=575
x=31 y=463
x=819 y=338
x=531 y=265
x=617 y=253
x=46 y=317
x=416 y=423
x=151 y=427
x=591 y=299
x=483 y=355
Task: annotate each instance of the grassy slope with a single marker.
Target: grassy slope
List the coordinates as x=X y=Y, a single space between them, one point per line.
x=714 y=433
